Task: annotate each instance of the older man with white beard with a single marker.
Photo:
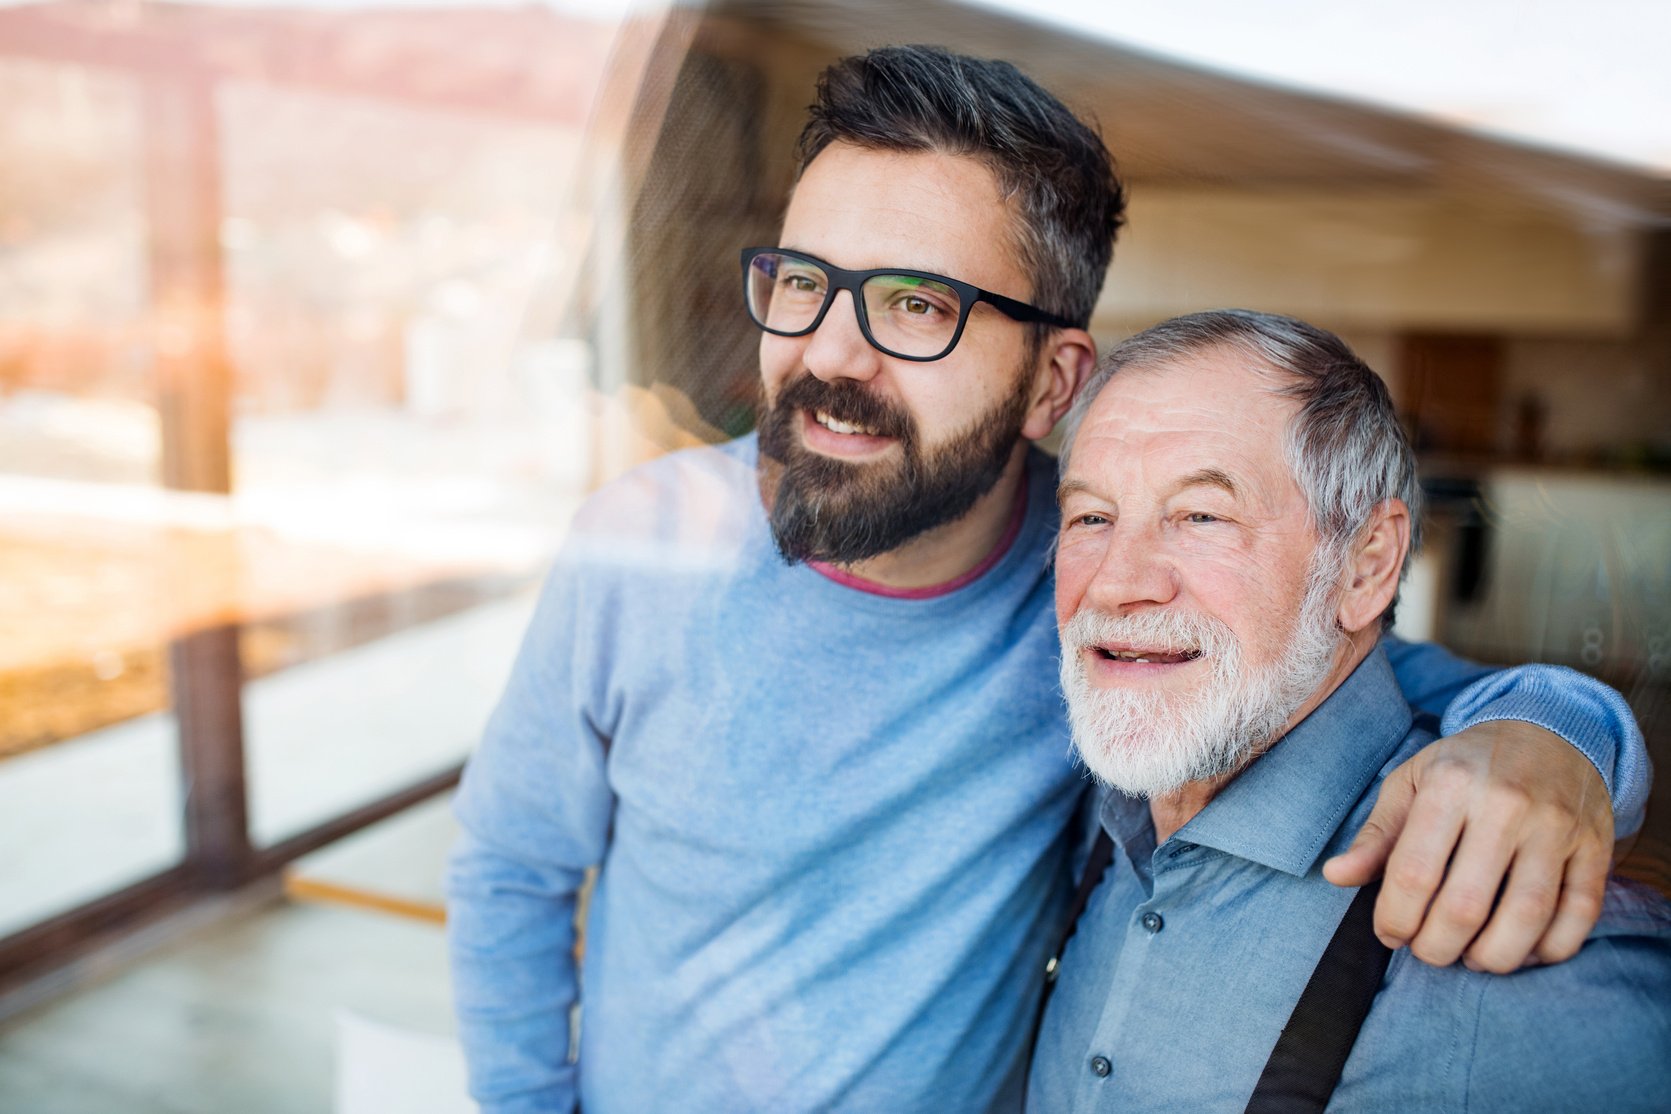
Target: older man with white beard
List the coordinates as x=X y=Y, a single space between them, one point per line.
x=1238 y=506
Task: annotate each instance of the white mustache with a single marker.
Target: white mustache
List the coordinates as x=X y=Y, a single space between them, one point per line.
x=1161 y=630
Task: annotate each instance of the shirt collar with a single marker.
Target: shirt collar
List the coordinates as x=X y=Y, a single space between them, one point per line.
x=1284 y=809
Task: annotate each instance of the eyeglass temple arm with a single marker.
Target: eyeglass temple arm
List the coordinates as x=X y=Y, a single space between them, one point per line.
x=1021 y=311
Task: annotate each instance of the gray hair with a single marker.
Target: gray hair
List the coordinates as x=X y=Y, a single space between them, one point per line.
x=1345 y=447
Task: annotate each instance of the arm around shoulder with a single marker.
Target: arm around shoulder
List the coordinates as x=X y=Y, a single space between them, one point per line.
x=1495 y=839
x=1580 y=709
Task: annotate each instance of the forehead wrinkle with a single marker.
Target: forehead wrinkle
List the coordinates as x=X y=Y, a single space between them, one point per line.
x=1152 y=448
x=1209 y=477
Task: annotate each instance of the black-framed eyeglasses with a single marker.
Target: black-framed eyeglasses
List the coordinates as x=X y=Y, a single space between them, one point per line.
x=913 y=315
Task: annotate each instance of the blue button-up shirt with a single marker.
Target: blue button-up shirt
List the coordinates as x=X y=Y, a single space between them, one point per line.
x=1190 y=957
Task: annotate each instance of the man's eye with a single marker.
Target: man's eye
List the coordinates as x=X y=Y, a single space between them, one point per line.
x=1090 y=518
x=918 y=306
x=806 y=284
x=1203 y=516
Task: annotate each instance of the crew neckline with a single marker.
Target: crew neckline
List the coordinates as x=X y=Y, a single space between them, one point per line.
x=846 y=579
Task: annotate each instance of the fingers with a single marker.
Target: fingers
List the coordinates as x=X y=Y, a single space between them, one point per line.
x=1465 y=900
x=1579 y=905
x=1524 y=913
x=1552 y=898
x=1587 y=867
x=1363 y=862
x=1555 y=870
x=1416 y=864
x=1502 y=855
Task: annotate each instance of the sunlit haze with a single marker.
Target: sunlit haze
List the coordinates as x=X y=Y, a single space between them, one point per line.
x=1588 y=78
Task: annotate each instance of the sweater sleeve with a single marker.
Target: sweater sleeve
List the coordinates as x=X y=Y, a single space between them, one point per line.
x=535 y=809
x=1580 y=709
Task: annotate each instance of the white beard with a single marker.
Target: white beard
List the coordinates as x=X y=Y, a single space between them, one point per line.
x=1150 y=744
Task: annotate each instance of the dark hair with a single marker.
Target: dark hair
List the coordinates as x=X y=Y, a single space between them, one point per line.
x=925 y=98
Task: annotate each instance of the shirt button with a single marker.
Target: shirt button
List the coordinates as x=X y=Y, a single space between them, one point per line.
x=1154 y=922
x=1101 y=1066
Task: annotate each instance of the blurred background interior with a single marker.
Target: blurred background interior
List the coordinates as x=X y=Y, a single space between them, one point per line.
x=317 y=321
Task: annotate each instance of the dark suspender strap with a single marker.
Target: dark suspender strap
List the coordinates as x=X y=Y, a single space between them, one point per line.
x=1096 y=865
x=1305 y=1065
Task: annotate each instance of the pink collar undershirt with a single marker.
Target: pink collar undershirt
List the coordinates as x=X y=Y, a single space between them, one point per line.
x=928 y=592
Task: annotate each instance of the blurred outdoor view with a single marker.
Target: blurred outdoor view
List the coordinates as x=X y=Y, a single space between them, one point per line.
x=317 y=322
x=263 y=370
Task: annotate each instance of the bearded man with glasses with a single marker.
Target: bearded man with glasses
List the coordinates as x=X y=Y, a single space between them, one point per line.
x=795 y=696
x=822 y=509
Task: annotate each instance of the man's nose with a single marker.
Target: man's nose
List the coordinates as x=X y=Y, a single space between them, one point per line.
x=837 y=349
x=1134 y=571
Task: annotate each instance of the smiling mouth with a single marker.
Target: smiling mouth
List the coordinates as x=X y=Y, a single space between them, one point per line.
x=1146 y=656
x=836 y=425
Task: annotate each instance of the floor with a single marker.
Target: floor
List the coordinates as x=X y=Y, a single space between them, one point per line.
x=246 y=1016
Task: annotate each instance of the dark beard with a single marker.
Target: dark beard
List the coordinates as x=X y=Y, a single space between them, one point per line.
x=822 y=509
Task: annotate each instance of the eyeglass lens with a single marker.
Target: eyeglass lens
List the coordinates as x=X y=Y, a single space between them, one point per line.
x=908 y=315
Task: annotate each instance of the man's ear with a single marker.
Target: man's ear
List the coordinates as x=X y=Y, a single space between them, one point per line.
x=1065 y=363
x=1370 y=583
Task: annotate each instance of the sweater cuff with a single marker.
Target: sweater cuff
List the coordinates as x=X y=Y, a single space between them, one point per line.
x=1581 y=710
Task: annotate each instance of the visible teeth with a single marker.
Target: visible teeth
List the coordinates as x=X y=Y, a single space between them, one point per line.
x=835 y=425
x=1140 y=659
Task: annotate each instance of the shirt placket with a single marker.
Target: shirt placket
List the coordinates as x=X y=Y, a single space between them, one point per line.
x=1125 y=1029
